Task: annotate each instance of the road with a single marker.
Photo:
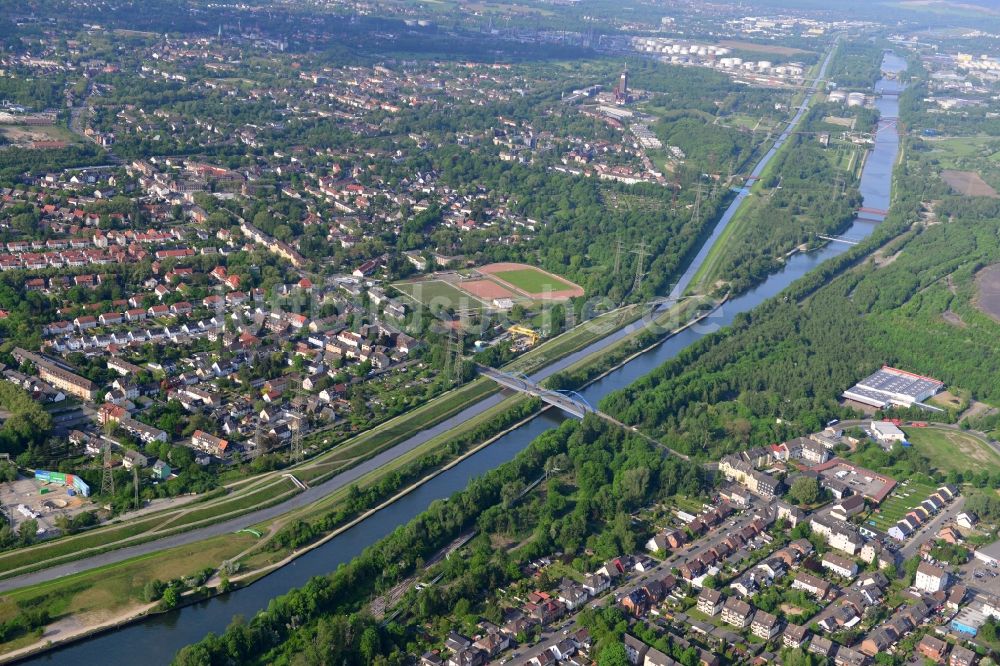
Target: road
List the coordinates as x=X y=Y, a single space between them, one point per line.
x=347 y=477
x=927 y=532
x=552 y=636
x=311 y=495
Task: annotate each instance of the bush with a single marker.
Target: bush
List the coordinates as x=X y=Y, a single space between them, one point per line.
x=153 y=590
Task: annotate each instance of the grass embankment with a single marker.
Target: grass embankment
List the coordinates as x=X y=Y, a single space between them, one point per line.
x=15 y=559
x=949 y=449
x=157 y=526
x=75 y=601
x=706 y=276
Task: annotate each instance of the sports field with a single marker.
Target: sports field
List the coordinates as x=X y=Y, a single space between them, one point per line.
x=531 y=281
x=486 y=290
x=438 y=293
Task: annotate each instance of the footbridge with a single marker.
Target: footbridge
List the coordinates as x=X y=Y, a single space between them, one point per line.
x=838 y=239
x=873 y=211
x=570 y=402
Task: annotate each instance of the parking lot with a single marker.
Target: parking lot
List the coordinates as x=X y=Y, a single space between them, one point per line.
x=982 y=577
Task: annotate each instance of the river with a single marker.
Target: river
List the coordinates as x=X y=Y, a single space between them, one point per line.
x=156 y=639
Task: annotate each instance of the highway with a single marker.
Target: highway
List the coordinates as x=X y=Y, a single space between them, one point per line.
x=347 y=477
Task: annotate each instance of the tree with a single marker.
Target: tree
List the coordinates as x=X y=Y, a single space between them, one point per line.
x=369 y=646
x=153 y=590
x=613 y=655
x=170 y=598
x=804 y=490
x=27 y=531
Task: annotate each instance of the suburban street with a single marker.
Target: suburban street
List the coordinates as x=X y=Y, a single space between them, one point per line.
x=927 y=532
x=560 y=631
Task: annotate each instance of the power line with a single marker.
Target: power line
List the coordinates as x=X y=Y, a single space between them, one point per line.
x=108 y=480
x=257 y=443
x=297 y=454
x=640 y=262
x=135 y=484
x=696 y=212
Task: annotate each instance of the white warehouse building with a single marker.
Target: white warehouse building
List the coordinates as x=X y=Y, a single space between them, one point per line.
x=890 y=386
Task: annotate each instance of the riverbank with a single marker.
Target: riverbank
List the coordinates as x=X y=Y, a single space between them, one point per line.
x=53 y=639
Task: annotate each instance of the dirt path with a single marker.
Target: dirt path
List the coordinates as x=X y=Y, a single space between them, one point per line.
x=975 y=409
x=73 y=627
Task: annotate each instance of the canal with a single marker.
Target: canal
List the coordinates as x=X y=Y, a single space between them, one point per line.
x=156 y=639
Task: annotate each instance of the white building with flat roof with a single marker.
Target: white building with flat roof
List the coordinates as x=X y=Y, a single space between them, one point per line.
x=886 y=431
x=891 y=386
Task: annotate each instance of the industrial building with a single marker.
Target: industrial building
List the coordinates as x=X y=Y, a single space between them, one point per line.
x=890 y=386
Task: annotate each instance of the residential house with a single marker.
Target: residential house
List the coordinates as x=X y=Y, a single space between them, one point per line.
x=821 y=646
x=161 y=470
x=764 y=625
x=845 y=656
x=933 y=648
x=134 y=459
x=839 y=565
x=572 y=595
x=596 y=584
x=848 y=507
x=812 y=451
x=635 y=650
x=814 y=585
x=209 y=443
x=656 y=658
x=492 y=643
x=962 y=656
x=736 y=612
x=794 y=635
x=930 y=578
x=710 y=601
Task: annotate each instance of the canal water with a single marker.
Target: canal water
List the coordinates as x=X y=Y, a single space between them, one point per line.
x=155 y=640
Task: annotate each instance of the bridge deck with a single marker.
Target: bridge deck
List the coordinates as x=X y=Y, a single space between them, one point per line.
x=573 y=407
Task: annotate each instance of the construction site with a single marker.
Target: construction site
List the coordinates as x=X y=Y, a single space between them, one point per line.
x=43 y=498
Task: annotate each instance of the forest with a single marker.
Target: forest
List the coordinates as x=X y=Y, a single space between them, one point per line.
x=16 y=161
x=803 y=193
x=856 y=64
x=597 y=474
x=792 y=357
